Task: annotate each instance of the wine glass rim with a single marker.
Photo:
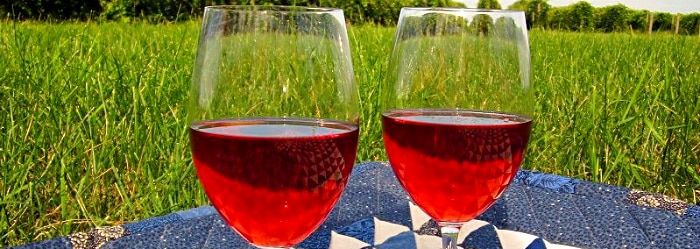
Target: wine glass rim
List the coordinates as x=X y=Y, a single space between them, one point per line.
x=272 y=8
x=455 y=9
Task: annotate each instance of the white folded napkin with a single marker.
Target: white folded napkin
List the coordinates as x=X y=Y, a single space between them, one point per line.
x=392 y=236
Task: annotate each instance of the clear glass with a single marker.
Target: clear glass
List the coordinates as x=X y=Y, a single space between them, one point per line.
x=273 y=117
x=457 y=107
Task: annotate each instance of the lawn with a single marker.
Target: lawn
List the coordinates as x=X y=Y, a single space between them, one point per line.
x=93 y=130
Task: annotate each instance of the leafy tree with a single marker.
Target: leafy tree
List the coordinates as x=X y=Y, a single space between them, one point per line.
x=52 y=10
x=639 y=20
x=506 y=28
x=482 y=24
x=488 y=4
x=434 y=24
x=580 y=16
x=690 y=24
x=535 y=11
x=557 y=18
x=158 y=10
x=612 y=18
x=519 y=5
x=430 y=3
x=663 y=21
x=381 y=12
x=376 y=11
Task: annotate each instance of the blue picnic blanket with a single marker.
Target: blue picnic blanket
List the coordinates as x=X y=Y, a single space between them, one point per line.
x=554 y=209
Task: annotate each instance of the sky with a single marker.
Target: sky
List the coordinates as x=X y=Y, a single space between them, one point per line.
x=670 y=6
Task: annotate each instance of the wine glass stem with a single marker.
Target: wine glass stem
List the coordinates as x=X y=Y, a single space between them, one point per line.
x=449 y=232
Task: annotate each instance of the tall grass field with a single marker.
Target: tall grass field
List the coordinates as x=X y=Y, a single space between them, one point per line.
x=93 y=130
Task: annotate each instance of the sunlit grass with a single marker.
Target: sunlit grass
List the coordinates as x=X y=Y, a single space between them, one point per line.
x=620 y=109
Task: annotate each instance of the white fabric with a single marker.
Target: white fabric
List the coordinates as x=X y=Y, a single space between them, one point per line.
x=389 y=236
x=341 y=241
x=384 y=230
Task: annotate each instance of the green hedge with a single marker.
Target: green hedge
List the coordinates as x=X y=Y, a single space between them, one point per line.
x=580 y=16
x=51 y=9
x=356 y=11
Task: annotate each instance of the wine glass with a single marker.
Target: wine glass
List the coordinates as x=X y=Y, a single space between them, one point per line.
x=457 y=106
x=273 y=118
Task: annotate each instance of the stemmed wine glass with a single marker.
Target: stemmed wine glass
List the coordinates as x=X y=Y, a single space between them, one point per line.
x=457 y=107
x=273 y=118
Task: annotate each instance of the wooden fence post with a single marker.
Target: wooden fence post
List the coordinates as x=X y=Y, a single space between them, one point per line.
x=678 y=22
x=650 y=26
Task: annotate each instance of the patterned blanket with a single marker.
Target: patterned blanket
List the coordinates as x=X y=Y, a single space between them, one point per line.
x=557 y=209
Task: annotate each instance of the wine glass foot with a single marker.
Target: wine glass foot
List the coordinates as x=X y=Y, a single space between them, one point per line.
x=450 y=232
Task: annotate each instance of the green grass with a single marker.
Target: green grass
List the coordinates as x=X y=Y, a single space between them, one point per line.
x=249 y=72
x=620 y=109
x=93 y=130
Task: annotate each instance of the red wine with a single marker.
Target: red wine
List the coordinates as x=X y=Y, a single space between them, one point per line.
x=454 y=163
x=273 y=180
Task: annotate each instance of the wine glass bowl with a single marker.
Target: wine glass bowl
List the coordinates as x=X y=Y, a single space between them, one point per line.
x=273 y=117
x=457 y=107
x=454 y=163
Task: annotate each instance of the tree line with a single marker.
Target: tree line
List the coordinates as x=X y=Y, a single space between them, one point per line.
x=356 y=11
x=581 y=16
